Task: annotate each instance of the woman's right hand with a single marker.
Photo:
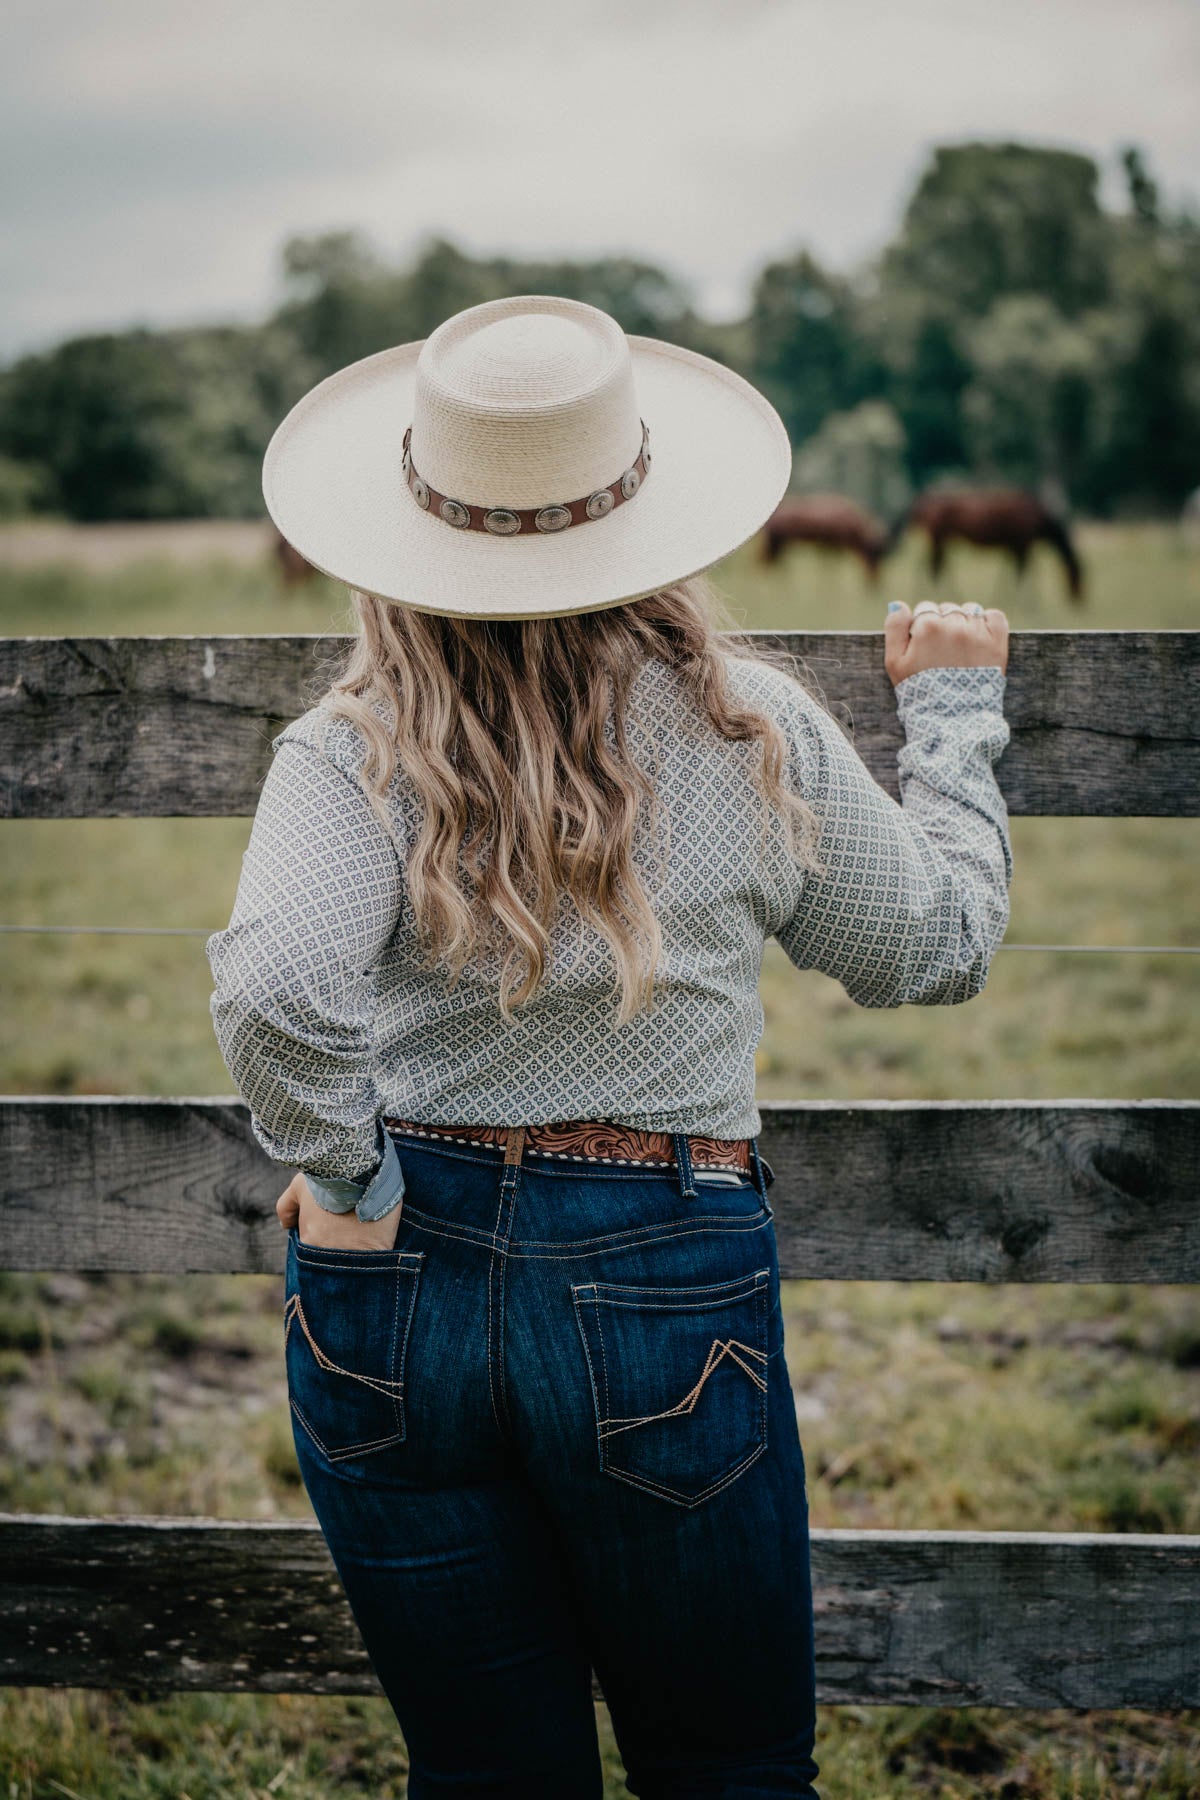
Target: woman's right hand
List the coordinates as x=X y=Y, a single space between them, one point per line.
x=940 y=637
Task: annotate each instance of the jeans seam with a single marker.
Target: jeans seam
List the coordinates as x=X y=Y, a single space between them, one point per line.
x=578 y=1246
x=679 y=1499
x=495 y=1358
x=600 y=1406
x=491 y=1271
x=723 y=1291
x=356 y=1268
x=333 y=1456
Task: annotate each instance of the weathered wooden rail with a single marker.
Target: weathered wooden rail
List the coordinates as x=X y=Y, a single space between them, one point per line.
x=1103 y=723
x=1004 y=1618
x=936 y=1190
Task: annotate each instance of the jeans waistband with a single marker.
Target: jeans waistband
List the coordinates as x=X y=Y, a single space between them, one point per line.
x=603 y=1143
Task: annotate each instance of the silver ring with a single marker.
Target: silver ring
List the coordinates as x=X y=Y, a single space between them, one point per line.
x=925 y=606
x=973 y=607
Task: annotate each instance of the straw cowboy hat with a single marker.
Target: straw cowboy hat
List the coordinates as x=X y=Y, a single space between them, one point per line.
x=527 y=458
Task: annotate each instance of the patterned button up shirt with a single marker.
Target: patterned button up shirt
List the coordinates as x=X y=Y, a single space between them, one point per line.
x=326 y=1015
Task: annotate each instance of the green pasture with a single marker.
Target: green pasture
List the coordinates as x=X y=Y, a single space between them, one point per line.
x=920 y=1404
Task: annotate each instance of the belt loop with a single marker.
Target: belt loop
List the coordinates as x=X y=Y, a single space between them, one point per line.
x=683 y=1165
x=514 y=1145
x=514 y=1150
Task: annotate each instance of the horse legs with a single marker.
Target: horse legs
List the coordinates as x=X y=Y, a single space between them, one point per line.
x=937 y=555
x=1021 y=557
x=939 y=563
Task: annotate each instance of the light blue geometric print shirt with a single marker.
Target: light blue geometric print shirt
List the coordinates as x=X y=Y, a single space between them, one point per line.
x=326 y=1015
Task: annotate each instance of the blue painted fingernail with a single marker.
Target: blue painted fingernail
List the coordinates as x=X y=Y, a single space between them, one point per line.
x=893 y=606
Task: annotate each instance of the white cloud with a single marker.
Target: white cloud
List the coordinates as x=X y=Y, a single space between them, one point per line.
x=164 y=151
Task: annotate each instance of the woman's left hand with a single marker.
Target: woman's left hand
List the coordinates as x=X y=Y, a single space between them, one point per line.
x=334 y=1231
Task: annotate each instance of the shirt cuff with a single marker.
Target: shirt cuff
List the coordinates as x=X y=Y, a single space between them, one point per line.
x=954 y=685
x=371 y=1199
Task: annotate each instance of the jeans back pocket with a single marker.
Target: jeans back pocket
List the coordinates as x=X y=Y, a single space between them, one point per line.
x=679 y=1379
x=347 y=1315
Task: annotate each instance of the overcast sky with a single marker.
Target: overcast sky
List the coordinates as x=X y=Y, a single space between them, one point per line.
x=156 y=155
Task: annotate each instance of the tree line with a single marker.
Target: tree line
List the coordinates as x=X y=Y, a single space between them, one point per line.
x=1014 y=329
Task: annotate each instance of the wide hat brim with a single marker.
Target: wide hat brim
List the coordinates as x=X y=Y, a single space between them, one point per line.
x=334 y=485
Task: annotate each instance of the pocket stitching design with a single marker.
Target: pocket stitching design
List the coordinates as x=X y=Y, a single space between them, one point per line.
x=725 y=1290
x=354 y=1449
x=355 y=1268
x=612 y=1426
x=666 y=1493
x=391 y=1388
x=755 y=1285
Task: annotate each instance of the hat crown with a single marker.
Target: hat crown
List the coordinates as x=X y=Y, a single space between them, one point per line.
x=525 y=402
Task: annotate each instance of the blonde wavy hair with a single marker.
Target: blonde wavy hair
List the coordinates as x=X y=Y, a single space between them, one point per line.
x=513 y=736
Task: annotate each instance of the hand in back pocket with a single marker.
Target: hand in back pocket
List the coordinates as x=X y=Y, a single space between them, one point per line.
x=347 y=1317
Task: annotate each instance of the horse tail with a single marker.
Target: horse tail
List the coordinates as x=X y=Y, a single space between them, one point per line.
x=1056 y=533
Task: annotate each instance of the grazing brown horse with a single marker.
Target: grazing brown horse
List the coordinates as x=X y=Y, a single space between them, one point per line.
x=1012 y=519
x=293 y=567
x=831 y=522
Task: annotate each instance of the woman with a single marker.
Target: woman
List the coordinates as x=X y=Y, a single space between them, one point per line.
x=490 y=983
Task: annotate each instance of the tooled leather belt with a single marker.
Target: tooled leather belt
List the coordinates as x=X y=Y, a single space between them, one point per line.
x=592 y=1141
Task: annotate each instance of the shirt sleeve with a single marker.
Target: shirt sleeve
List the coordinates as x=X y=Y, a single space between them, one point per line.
x=913 y=902
x=320 y=896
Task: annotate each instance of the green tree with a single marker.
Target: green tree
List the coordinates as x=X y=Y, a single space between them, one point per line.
x=993 y=219
x=928 y=395
x=91 y=413
x=344 y=303
x=806 y=350
x=1029 y=407
x=859 y=453
x=151 y=425
x=1143 y=189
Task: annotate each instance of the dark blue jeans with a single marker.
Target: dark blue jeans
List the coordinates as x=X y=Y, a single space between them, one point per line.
x=552 y=1431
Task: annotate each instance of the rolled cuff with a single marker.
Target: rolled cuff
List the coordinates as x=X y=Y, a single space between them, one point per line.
x=372 y=1199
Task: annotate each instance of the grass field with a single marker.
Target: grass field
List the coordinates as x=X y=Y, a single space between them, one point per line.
x=919 y=1404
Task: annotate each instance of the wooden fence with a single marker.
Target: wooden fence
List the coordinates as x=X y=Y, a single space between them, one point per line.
x=1103 y=723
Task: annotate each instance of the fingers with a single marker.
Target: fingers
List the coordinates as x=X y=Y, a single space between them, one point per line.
x=287 y=1207
x=896 y=627
x=945 y=634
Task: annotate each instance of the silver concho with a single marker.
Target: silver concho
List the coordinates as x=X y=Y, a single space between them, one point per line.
x=646 y=452
x=420 y=491
x=599 y=503
x=502 y=521
x=406 y=461
x=552 y=518
x=630 y=482
x=455 y=513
